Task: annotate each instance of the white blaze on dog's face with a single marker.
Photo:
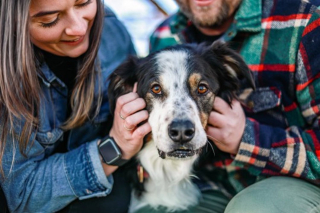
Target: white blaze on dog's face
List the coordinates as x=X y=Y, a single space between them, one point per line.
x=179 y=101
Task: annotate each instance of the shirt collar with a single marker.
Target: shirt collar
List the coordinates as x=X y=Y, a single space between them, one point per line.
x=47 y=76
x=248 y=17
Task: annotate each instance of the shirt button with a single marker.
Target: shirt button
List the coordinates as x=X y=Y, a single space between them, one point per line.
x=237 y=176
x=49 y=134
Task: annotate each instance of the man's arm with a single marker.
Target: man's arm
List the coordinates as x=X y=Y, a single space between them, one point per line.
x=294 y=151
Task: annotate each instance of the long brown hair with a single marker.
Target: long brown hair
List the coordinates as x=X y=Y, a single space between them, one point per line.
x=19 y=84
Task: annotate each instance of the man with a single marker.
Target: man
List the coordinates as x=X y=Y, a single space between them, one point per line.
x=275 y=129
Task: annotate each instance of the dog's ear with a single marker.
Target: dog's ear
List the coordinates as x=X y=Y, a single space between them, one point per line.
x=233 y=71
x=122 y=80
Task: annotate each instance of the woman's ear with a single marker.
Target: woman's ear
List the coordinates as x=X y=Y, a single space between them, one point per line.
x=122 y=80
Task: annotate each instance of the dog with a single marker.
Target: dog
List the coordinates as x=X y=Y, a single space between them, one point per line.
x=179 y=85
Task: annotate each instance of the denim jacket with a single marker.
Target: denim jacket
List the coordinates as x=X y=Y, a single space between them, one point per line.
x=47 y=182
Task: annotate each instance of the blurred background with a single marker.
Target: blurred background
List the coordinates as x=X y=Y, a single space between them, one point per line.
x=141 y=17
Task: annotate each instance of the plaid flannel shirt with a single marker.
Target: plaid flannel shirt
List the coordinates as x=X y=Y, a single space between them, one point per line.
x=280 y=42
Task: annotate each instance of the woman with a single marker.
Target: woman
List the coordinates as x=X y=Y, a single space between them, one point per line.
x=54 y=109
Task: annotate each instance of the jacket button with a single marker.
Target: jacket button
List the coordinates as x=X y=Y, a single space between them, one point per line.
x=49 y=134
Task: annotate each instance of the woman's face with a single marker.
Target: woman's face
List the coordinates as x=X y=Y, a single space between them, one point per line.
x=62 y=27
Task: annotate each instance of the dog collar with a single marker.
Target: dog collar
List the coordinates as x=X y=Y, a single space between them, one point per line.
x=142 y=173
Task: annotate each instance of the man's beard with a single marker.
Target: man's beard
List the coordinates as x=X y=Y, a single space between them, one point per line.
x=205 y=19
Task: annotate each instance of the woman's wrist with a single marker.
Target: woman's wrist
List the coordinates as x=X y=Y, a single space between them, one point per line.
x=108 y=169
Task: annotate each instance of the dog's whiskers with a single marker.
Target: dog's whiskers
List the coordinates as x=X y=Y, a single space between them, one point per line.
x=208 y=142
x=195 y=176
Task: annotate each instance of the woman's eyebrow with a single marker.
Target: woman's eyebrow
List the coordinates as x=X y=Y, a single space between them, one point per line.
x=44 y=13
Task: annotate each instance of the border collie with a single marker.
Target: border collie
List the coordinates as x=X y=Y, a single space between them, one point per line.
x=179 y=85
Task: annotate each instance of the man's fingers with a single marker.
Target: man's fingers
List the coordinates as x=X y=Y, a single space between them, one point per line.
x=220 y=105
x=216 y=119
x=214 y=134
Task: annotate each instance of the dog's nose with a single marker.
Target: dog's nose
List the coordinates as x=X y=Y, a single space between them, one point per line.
x=181 y=131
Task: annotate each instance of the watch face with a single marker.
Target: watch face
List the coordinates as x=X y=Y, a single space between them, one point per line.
x=109 y=151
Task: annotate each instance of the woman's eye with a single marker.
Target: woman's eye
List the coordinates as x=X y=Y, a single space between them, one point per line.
x=84 y=4
x=156 y=89
x=202 y=89
x=50 y=24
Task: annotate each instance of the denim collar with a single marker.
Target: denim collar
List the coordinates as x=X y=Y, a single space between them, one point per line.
x=48 y=77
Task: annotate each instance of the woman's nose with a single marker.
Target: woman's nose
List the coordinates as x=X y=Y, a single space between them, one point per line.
x=77 y=25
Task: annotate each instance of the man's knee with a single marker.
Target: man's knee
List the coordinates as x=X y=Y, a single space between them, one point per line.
x=277 y=194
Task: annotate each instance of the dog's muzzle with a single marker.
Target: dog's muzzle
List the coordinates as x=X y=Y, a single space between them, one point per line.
x=181 y=132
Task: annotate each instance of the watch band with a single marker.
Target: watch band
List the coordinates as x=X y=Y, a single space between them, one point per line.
x=120 y=162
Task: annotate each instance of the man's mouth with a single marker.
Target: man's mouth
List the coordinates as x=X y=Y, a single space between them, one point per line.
x=179 y=153
x=203 y=3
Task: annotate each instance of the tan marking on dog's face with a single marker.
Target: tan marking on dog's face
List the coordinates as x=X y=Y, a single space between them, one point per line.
x=151 y=98
x=176 y=101
x=194 y=81
x=204 y=119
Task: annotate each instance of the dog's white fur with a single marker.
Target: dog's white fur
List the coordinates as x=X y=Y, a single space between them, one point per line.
x=170 y=182
x=173 y=71
x=179 y=85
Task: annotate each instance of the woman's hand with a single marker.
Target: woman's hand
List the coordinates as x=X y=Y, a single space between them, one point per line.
x=226 y=125
x=128 y=114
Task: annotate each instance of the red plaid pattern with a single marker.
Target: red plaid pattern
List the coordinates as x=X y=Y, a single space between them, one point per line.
x=280 y=41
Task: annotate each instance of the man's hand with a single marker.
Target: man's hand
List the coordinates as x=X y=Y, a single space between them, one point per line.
x=226 y=125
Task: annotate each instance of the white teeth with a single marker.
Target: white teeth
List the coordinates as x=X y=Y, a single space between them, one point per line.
x=74 y=40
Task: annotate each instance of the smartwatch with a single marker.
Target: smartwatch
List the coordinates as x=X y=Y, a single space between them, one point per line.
x=110 y=152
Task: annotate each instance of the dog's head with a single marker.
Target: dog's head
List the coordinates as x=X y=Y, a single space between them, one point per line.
x=179 y=85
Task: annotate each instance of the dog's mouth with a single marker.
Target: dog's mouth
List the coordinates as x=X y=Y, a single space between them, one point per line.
x=179 y=153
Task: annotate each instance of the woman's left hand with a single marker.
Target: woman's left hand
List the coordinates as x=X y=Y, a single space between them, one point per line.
x=226 y=125
x=126 y=130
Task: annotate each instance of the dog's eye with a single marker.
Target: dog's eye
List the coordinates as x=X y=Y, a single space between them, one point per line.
x=156 y=89
x=202 y=89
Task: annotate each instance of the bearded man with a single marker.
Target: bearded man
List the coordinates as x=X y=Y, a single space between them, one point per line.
x=266 y=144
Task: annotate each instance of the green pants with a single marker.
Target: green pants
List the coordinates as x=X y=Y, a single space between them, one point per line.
x=272 y=195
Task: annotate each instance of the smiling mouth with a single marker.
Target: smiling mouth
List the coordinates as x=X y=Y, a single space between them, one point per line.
x=74 y=40
x=179 y=153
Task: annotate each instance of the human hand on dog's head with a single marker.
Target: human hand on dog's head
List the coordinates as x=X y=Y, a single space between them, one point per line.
x=226 y=125
x=129 y=112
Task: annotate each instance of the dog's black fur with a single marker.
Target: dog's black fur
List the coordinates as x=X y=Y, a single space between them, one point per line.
x=140 y=70
x=214 y=61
